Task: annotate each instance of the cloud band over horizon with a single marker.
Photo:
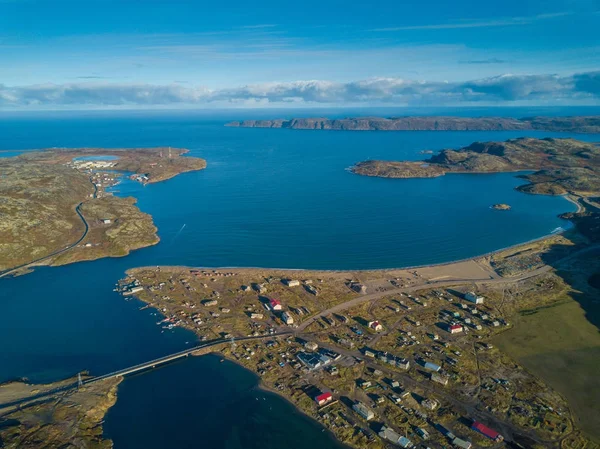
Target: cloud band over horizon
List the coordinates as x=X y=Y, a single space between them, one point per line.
x=548 y=89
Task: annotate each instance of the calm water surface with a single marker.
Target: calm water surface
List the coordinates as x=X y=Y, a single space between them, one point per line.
x=269 y=198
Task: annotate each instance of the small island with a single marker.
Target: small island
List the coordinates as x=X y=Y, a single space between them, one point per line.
x=581 y=124
x=57 y=206
x=501 y=206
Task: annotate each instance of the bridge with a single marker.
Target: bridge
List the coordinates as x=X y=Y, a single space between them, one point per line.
x=10 y=407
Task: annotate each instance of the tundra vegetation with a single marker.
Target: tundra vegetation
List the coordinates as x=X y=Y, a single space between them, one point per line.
x=42 y=194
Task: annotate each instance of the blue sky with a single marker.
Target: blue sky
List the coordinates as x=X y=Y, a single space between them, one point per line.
x=94 y=53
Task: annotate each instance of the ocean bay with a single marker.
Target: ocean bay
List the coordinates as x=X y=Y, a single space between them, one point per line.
x=269 y=198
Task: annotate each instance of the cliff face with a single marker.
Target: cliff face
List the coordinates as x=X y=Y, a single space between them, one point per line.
x=571 y=124
x=563 y=164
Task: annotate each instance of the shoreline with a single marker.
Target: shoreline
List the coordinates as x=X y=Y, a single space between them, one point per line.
x=358 y=270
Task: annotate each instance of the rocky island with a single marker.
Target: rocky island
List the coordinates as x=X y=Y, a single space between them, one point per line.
x=501 y=206
x=56 y=205
x=582 y=124
x=562 y=165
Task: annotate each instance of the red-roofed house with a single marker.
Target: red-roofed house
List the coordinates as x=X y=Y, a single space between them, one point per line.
x=275 y=304
x=485 y=430
x=376 y=326
x=323 y=399
x=455 y=328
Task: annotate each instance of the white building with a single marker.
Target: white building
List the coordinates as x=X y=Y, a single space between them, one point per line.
x=472 y=297
x=292 y=282
x=311 y=346
x=363 y=411
x=287 y=318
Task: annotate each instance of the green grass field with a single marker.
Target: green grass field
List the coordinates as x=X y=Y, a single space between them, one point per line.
x=559 y=345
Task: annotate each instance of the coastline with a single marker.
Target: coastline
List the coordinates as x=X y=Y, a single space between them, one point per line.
x=130 y=228
x=410 y=267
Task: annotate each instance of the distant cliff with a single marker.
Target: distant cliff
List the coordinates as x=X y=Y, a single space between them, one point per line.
x=584 y=124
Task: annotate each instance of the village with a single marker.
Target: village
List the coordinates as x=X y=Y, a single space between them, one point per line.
x=379 y=358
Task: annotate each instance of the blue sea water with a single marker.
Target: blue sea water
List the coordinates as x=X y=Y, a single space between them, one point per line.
x=269 y=198
x=97 y=158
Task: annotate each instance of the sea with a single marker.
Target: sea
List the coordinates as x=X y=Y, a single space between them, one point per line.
x=268 y=198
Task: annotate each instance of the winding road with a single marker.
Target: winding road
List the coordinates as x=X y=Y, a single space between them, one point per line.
x=62 y=250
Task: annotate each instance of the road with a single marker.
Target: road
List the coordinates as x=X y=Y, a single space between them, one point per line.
x=60 y=251
x=505 y=427
x=442 y=283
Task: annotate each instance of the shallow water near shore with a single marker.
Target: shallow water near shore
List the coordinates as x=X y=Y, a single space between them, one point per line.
x=269 y=198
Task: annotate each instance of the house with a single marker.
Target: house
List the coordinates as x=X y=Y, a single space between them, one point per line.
x=260 y=288
x=369 y=353
x=358 y=287
x=395 y=399
x=291 y=282
x=395 y=384
x=311 y=346
x=323 y=399
x=432 y=366
x=312 y=361
x=275 y=304
x=439 y=378
x=363 y=411
x=472 y=297
x=365 y=384
x=444 y=431
x=376 y=326
x=402 y=363
x=455 y=328
x=486 y=431
x=461 y=443
x=106 y=221
x=430 y=404
x=405 y=443
x=312 y=290
x=209 y=302
x=256 y=316
x=422 y=433
x=287 y=318
x=388 y=434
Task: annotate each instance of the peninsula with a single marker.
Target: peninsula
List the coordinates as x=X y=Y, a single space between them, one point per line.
x=57 y=208
x=562 y=165
x=580 y=124
x=456 y=353
x=420 y=355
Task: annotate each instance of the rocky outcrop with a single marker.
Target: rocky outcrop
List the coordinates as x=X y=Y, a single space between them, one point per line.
x=589 y=124
x=563 y=165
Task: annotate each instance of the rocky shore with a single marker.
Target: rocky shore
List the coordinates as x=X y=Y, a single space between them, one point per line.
x=563 y=165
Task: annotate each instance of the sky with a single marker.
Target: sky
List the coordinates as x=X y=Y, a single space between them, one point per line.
x=90 y=54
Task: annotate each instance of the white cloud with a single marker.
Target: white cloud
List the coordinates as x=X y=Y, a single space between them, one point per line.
x=502 y=22
x=499 y=89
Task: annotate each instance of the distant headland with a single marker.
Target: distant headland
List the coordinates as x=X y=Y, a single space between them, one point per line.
x=579 y=124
